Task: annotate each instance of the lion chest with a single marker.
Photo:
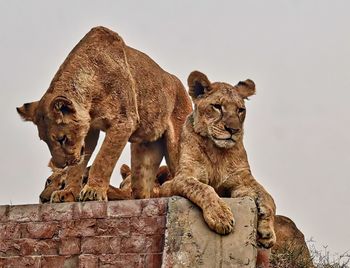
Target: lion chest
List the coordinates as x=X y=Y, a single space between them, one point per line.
x=218 y=175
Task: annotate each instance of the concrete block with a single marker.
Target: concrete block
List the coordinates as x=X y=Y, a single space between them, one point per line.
x=190 y=243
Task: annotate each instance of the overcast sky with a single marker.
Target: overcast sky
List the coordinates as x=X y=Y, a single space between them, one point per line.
x=297 y=131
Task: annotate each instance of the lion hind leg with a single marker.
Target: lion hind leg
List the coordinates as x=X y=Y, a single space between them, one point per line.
x=145 y=161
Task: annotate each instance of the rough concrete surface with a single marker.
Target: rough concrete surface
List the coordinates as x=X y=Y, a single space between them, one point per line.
x=190 y=243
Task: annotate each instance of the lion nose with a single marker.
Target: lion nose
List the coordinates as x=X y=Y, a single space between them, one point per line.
x=232 y=131
x=44 y=200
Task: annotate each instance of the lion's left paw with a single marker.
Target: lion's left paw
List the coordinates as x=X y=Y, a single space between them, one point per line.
x=92 y=193
x=219 y=217
x=266 y=235
x=62 y=196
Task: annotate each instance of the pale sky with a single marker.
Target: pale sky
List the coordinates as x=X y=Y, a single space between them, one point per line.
x=297 y=131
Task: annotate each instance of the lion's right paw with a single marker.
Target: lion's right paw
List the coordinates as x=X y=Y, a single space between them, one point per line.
x=219 y=217
x=89 y=193
x=62 y=196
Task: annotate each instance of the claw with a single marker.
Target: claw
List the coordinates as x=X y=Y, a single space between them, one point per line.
x=89 y=193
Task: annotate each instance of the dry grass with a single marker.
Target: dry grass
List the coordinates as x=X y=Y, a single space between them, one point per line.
x=322 y=258
x=293 y=256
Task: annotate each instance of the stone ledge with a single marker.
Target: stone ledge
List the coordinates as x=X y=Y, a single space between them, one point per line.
x=189 y=242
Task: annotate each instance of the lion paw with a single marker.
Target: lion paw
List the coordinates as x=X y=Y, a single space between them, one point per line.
x=90 y=193
x=62 y=196
x=266 y=235
x=219 y=218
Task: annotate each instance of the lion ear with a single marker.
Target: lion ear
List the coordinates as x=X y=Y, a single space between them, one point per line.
x=62 y=106
x=125 y=171
x=28 y=111
x=198 y=84
x=245 y=88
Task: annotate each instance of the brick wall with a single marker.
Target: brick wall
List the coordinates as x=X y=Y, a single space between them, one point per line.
x=124 y=234
x=114 y=234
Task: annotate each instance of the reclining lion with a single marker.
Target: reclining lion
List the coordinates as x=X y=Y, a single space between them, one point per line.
x=290 y=249
x=106 y=85
x=57 y=181
x=213 y=161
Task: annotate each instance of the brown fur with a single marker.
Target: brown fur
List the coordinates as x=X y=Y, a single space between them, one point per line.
x=57 y=180
x=163 y=175
x=106 y=85
x=53 y=183
x=213 y=161
x=290 y=244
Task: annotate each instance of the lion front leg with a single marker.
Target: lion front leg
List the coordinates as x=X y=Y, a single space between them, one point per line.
x=106 y=159
x=69 y=191
x=266 y=236
x=266 y=218
x=216 y=212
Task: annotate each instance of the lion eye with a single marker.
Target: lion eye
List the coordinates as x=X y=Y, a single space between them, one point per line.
x=63 y=184
x=48 y=182
x=62 y=140
x=241 y=110
x=217 y=107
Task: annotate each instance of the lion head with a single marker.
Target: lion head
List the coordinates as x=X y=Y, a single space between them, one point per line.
x=219 y=109
x=62 y=124
x=53 y=183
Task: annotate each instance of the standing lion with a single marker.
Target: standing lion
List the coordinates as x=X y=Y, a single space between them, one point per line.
x=106 y=85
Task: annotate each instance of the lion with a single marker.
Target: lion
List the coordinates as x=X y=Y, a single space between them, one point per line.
x=56 y=182
x=213 y=161
x=105 y=85
x=163 y=175
x=290 y=249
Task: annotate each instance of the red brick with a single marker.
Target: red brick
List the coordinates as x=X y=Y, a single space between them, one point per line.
x=134 y=244
x=115 y=227
x=90 y=210
x=124 y=208
x=148 y=225
x=9 y=248
x=153 y=261
x=69 y=246
x=39 y=229
x=59 y=261
x=57 y=212
x=154 y=206
x=121 y=261
x=100 y=245
x=9 y=230
x=24 y=213
x=21 y=262
x=52 y=261
x=263 y=258
x=78 y=228
x=38 y=247
x=3 y=213
x=155 y=243
x=142 y=244
x=88 y=261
